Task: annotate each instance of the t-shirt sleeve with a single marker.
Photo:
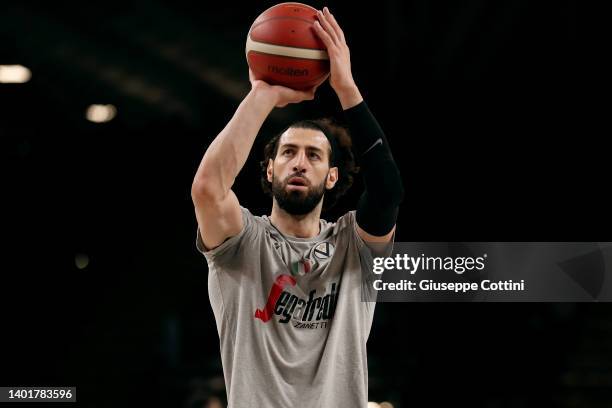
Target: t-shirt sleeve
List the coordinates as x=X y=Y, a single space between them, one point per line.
x=367 y=253
x=232 y=246
x=373 y=249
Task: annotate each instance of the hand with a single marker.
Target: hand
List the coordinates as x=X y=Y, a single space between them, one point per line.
x=282 y=95
x=331 y=34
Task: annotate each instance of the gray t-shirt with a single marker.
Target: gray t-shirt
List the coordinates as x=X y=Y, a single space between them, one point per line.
x=291 y=321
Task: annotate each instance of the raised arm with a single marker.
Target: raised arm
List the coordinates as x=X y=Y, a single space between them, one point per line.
x=378 y=206
x=216 y=206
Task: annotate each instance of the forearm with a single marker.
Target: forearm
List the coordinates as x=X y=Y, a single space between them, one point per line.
x=229 y=151
x=378 y=206
x=349 y=95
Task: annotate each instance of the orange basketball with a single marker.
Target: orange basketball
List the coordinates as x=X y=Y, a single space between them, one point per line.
x=282 y=47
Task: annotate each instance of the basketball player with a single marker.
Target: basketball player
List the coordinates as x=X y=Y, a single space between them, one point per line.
x=287 y=289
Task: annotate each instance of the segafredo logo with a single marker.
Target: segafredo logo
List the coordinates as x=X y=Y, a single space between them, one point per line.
x=312 y=312
x=287 y=71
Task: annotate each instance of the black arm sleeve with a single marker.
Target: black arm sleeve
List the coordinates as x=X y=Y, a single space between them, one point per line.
x=378 y=206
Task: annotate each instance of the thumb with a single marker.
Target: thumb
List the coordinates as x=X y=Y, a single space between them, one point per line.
x=303 y=94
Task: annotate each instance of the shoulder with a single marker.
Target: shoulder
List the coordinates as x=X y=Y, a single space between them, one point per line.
x=347 y=225
x=252 y=227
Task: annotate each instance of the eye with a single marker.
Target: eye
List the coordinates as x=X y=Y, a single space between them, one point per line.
x=287 y=151
x=314 y=155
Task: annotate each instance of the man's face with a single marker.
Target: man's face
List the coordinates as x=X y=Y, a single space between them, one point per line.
x=300 y=172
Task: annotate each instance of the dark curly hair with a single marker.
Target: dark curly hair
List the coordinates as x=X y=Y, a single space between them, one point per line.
x=342 y=157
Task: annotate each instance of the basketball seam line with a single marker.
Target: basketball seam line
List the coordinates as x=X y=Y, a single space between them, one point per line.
x=288 y=46
x=315 y=54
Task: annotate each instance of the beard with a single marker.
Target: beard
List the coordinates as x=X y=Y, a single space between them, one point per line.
x=297 y=202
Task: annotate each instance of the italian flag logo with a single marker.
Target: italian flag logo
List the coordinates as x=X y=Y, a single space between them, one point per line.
x=301 y=267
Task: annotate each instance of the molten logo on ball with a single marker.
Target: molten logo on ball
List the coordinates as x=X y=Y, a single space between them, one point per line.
x=287 y=71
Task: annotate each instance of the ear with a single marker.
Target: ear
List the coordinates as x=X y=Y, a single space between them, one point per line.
x=332 y=178
x=270 y=170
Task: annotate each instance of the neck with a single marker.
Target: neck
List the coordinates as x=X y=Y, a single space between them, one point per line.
x=298 y=226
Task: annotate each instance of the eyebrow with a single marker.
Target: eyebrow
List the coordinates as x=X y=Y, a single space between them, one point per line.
x=316 y=149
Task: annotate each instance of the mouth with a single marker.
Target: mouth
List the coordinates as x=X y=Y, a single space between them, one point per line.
x=297 y=182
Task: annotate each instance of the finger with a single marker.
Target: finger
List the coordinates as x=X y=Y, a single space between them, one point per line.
x=327 y=26
x=325 y=23
x=323 y=35
x=296 y=96
x=334 y=24
x=307 y=94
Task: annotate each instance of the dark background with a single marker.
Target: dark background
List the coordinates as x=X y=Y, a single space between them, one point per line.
x=483 y=102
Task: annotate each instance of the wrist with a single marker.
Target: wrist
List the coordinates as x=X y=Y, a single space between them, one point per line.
x=263 y=98
x=349 y=95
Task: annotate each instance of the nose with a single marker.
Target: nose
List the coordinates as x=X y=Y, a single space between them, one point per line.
x=300 y=162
